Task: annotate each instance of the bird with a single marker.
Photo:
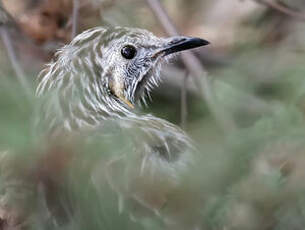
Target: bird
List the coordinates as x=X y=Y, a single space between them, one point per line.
x=97 y=81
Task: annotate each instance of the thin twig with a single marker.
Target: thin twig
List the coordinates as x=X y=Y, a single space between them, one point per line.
x=13 y=59
x=282 y=8
x=171 y=30
x=194 y=67
x=184 y=101
x=75 y=15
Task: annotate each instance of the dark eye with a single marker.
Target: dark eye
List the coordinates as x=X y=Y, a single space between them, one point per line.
x=129 y=52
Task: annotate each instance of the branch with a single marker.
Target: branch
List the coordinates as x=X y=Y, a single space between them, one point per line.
x=194 y=67
x=75 y=14
x=184 y=100
x=14 y=61
x=282 y=8
x=7 y=21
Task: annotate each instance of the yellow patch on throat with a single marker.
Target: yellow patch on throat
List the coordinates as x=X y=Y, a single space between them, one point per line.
x=126 y=102
x=117 y=87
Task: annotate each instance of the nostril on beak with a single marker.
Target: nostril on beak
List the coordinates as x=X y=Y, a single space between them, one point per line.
x=176 y=41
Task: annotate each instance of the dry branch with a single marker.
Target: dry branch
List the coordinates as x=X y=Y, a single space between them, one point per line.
x=194 y=67
x=5 y=36
x=184 y=101
x=75 y=15
x=282 y=8
x=5 y=22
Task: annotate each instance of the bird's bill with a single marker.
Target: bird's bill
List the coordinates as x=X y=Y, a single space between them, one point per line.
x=181 y=43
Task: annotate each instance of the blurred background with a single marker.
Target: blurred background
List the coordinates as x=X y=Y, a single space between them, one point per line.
x=247 y=116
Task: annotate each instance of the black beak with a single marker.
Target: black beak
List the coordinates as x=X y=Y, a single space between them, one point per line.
x=178 y=44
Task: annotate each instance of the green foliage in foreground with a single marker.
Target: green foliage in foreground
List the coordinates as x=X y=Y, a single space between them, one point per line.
x=249 y=178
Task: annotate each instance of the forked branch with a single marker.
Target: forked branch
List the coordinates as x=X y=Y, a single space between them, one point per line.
x=280 y=7
x=194 y=67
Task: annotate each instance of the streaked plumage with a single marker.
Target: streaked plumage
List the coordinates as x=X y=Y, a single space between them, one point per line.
x=90 y=84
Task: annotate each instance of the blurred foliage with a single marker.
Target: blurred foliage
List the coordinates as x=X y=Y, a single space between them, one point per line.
x=247 y=178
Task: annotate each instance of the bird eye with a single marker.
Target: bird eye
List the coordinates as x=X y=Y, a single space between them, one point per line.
x=129 y=52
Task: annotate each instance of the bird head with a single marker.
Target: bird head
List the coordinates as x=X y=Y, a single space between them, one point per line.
x=111 y=68
x=134 y=58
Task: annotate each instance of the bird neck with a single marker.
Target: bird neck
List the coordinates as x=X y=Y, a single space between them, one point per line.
x=73 y=110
